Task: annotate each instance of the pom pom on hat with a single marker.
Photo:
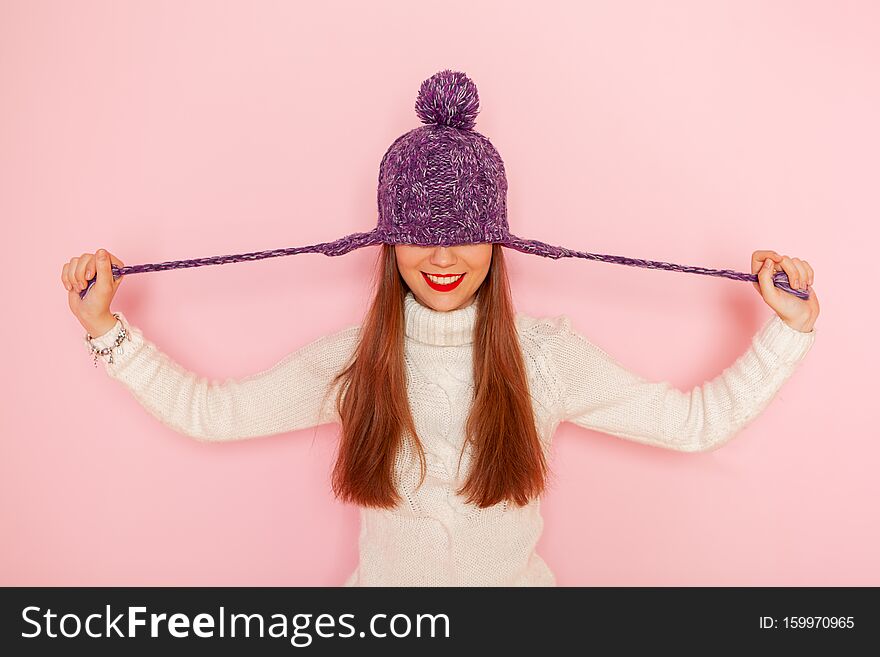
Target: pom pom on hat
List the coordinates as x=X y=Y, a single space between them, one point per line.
x=448 y=98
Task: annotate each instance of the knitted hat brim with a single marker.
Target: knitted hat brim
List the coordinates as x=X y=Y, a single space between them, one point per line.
x=358 y=240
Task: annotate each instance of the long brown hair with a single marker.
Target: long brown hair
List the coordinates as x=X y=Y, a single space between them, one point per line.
x=508 y=461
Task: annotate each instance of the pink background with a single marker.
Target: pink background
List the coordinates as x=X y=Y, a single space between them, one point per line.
x=689 y=132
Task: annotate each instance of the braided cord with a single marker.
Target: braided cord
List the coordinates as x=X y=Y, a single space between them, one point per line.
x=357 y=240
x=780 y=279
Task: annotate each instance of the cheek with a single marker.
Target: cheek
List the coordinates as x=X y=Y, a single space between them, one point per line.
x=478 y=276
x=411 y=274
x=405 y=259
x=483 y=267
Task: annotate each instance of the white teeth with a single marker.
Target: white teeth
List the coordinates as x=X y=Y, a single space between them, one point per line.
x=444 y=280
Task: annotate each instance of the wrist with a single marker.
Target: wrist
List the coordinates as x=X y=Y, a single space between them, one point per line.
x=98 y=327
x=802 y=325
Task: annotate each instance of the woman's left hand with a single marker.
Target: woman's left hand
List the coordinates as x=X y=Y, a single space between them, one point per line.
x=799 y=314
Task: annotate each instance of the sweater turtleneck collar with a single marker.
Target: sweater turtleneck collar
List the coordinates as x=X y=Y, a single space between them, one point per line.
x=443 y=328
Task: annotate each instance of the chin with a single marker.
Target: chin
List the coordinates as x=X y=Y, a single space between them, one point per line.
x=439 y=300
x=453 y=303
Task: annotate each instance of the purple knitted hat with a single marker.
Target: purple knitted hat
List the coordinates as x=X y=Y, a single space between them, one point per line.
x=443 y=184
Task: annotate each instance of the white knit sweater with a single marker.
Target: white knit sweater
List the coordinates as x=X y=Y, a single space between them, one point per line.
x=433 y=538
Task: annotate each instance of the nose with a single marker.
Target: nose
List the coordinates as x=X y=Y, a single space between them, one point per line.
x=442 y=256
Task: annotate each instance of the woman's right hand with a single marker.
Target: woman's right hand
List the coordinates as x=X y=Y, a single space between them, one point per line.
x=93 y=311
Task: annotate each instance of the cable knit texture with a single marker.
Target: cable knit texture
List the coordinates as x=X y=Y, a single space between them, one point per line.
x=433 y=538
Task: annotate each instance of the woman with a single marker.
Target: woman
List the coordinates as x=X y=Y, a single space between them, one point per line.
x=446 y=396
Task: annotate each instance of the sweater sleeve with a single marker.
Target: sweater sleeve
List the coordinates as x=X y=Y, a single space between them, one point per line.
x=295 y=393
x=598 y=393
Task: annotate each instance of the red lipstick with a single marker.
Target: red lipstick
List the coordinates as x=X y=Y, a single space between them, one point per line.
x=444 y=287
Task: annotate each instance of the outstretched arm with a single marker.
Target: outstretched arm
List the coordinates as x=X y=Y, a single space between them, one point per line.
x=292 y=394
x=598 y=393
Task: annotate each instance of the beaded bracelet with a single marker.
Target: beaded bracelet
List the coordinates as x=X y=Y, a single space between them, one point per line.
x=117 y=345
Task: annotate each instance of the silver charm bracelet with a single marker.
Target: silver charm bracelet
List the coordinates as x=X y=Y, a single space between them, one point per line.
x=117 y=345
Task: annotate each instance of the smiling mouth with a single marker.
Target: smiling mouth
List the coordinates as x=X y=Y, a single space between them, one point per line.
x=442 y=282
